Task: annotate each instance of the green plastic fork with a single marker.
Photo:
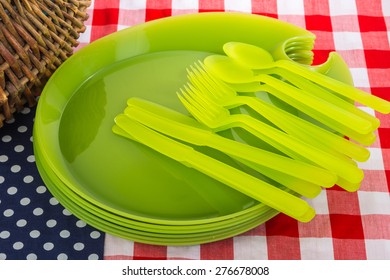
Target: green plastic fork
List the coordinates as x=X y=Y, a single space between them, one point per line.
x=222 y=94
x=274 y=197
x=219 y=118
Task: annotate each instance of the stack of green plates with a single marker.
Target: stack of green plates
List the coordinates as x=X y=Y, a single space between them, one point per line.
x=120 y=186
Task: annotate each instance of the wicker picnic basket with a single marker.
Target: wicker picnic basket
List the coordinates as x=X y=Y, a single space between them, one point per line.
x=36 y=36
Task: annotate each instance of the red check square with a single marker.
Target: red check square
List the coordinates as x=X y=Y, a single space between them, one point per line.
x=267 y=8
x=343 y=202
x=384 y=136
x=283 y=248
x=211 y=5
x=220 y=250
x=376 y=226
x=377 y=58
x=349 y=249
x=318 y=22
x=319 y=227
x=372 y=7
x=346 y=226
x=152 y=252
x=105 y=16
x=282 y=225
x=369 y=23
x=315 y=7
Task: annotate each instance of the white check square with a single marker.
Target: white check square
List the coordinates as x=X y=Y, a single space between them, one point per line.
x=290 y=7
x=238 y=6
x=183 y=252
x=372 y=203
x=250 y=248
x=185 y=4
x=343 y=7
x=348 y=41
x=316 y=248
x=132 y=4
x=360 y=77
x=118 y=246
x=377 y=249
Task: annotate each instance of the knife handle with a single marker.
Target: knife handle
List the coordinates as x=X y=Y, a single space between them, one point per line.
x=251 y=186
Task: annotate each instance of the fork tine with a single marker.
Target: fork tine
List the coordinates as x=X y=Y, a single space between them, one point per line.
x=206 y=104
x=202 y=108
x=199 y=80
x=193 y=111
x=196 y=108
x=204 y=78
x=212 y=84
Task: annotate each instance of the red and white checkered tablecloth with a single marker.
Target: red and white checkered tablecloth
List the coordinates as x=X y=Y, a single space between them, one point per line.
x=347 y=225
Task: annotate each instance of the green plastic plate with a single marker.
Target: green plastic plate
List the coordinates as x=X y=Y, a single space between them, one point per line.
x=77 y=108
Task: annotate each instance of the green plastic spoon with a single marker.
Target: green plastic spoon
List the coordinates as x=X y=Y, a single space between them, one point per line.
x=256 y=56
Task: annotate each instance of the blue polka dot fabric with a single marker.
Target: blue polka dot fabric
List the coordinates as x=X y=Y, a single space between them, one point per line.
x=33 y=224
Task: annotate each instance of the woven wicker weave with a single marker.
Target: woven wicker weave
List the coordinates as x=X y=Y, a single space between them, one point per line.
x=36 y=36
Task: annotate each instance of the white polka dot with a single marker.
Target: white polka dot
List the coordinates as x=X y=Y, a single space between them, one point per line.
x=32 y=256
x=3 y=256
x=95 y=234
x=8 y=212
x=66 y=212
x=38 y=211
x=2 y=179
x=10 y=121
x=18 y=245
x=22 y=128
x=53 y=201
x=31 y=139
x=12 y=190
x=25 y=201
x=51 y=223
x=3 y=158
x=19 y=148
x=64 y=233
x=28 y=179
x=62 y=256
x=5 y=234
x=31 y=158
x=78 y=246
x=6 y=138
x=41 y=189
x=26 y=110
x=80 y=224
x=21 y=223
x=93 y=257
x=35 y=233
x=15 y=168
x=48 y=246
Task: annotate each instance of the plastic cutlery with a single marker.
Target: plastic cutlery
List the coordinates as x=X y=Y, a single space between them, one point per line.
x=255 y=55
x=219 y=118
x=232 y=72
x=241 y=181
x=288 y=172
x=219 y=92
x=256 y=60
